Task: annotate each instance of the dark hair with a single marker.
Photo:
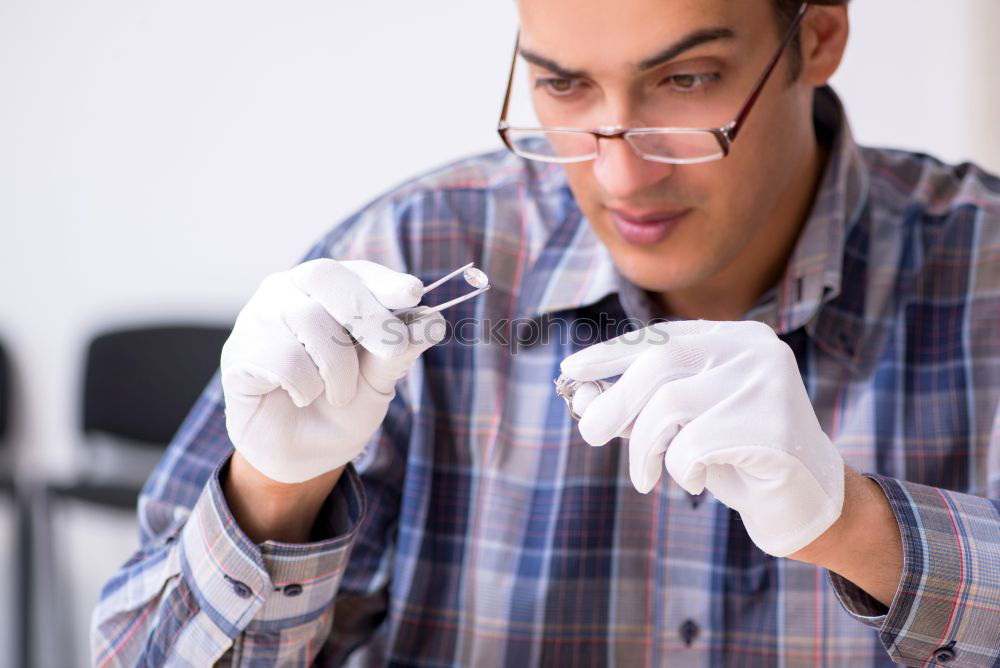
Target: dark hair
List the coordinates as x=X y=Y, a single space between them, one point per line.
x=786 y=11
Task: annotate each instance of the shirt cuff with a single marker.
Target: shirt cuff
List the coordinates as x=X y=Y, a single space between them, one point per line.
x=948 y=600
x=274 y=586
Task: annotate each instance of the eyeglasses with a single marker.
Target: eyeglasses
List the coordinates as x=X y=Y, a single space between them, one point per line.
x=681 y=146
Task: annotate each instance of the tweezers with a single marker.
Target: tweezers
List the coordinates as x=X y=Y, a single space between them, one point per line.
x=473 y=276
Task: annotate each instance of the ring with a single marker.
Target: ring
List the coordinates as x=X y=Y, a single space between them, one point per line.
x=566 y=388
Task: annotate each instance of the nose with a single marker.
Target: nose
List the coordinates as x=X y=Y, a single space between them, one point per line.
x=622 y=173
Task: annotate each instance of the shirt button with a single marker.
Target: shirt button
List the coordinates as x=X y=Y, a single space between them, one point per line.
x=945 y=654
x=240 y=588
x=689 y=631
x=293 y=589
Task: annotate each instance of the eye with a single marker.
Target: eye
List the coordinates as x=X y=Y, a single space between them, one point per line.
x=557 y=86
x=689 y=83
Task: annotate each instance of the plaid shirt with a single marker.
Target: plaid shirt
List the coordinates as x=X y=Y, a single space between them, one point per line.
x=479 y=529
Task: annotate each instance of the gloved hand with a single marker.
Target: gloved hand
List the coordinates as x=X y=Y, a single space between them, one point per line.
x=723 y=404
x=302 y=396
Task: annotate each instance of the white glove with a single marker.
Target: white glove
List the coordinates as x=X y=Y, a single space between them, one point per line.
x=301 y=397
x=725 y=402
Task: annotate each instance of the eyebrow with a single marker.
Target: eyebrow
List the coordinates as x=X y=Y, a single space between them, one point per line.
x=686 y=43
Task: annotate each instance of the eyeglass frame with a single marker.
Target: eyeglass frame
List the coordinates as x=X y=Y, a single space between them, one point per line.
x=724 y=135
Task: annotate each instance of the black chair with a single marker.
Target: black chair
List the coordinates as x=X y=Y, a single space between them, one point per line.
x=4 y=395
x=138 y=386
x=9 y=489
x=6 y=457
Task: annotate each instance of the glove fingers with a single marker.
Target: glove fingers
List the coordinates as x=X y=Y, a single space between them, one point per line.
x=391 y=288
x=613 y=357
x=346 y=298
x=248 y=380
x=612 y=413
x=287 y=367
x=422 y=333
x=261 y=355
x=658 y=424
x=328 y=345
x=584 y=396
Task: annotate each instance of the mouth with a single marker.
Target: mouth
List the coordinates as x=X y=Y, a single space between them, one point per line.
x=646 y=228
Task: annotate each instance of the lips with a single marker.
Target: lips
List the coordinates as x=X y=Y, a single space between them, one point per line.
x=647 y=228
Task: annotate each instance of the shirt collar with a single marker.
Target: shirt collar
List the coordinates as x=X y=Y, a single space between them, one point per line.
x=571 y=267
x=574 y=269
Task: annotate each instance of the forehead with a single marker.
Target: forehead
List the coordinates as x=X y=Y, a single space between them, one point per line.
x=596 y=35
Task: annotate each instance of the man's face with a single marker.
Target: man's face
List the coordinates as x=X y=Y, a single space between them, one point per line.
x=670 y=227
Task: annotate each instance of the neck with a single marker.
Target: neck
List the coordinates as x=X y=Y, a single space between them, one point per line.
x=730 y=293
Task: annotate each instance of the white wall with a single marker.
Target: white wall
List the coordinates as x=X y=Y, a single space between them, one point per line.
x=157 y=159
x=921 y=74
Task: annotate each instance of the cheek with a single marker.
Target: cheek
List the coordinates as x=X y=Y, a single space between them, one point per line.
x=587 y=193
x=759 y=177
x=580 y=176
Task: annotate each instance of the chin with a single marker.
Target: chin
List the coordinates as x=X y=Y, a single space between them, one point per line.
x=658 y=273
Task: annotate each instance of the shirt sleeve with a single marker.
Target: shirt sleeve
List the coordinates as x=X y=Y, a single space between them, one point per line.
x=199 y=591
x=947 y=606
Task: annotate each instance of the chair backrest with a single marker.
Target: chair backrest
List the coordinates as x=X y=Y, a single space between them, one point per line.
x=140 y=383
x=5 y=383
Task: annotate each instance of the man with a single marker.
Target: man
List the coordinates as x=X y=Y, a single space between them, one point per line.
x=476 y=526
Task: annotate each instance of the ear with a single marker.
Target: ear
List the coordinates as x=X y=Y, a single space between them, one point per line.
x=824 y=37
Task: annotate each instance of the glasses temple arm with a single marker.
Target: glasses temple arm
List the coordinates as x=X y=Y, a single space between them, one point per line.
x=510 y=82
x=737 y=123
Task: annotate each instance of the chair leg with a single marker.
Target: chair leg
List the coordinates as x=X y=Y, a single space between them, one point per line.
x=51 y=597
x=45 y=605
x=25 y=573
